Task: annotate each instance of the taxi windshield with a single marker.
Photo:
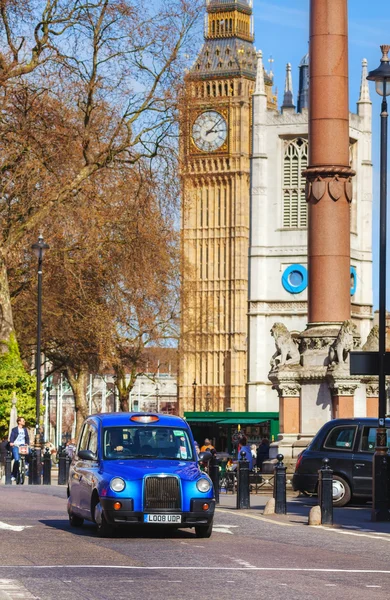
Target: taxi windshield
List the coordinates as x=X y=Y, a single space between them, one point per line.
x=132 y=442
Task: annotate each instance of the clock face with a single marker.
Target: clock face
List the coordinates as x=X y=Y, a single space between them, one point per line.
x=209 y=131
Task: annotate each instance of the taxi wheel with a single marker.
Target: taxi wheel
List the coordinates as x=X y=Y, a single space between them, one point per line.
x=341 y=491
x=75 y=521
x=104 y=529
x=204 y=531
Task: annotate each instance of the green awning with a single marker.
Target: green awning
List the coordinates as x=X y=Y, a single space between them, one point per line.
x=238 y=421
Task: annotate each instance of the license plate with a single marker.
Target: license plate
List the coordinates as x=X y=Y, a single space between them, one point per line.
x=162 y=519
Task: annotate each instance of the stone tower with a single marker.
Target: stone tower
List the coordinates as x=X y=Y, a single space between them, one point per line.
x=216 y=147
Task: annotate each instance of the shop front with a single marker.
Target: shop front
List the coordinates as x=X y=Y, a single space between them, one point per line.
x=224 y=428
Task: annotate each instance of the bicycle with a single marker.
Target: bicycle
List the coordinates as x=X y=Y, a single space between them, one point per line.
x=21 y=472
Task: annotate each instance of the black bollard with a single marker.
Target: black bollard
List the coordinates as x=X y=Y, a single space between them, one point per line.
x=280 y=486
x=243 y=497
x=32 y=471
x=68 y=460
x=325 y=492
x=214 y=474
x=62 y=456
x=8 y=471
x=47 y=467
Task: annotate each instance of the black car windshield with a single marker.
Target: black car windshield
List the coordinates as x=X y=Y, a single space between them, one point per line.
x=132 y=442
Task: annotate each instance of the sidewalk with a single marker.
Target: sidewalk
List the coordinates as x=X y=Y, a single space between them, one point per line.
x=354 y=517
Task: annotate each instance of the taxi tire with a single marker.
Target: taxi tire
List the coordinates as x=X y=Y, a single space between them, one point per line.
x=104 y=529
x=204 y=531
x=346 y=498
x=75 y=521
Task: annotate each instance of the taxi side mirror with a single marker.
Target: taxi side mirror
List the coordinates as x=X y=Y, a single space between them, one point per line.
x=205 y=456
x=86 y=455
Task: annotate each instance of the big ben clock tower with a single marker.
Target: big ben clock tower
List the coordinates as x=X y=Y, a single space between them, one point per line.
x=215 y=213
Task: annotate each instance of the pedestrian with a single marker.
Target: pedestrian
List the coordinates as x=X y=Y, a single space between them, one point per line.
x=207 y=446
x=245 y=448
x=70 y=448
x=19 y=437
x=262 y=453
x=3 y=454
x=254 y=452
x=196 y=447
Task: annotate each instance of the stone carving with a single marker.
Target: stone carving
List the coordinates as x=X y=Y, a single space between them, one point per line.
x=372 y=390
x=287 y=352
x=344 y=388
x=343 y=344
x=372 y=342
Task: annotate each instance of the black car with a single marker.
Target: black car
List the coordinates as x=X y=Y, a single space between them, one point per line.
x=349 y=444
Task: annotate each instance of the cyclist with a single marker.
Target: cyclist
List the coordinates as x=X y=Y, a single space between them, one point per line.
x=19 y=437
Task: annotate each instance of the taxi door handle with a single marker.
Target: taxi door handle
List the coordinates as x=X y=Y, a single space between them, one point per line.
x=358 y=465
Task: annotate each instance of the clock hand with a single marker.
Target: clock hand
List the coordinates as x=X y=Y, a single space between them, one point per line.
x=212 y=129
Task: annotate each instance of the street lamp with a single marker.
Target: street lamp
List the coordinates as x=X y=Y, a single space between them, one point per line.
x=194 y=392
x=39 y=249
x=380 y=511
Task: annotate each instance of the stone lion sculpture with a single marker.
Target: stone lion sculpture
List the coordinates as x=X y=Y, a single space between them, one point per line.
x=343 y=344
x=372 y=342
x=286 y=348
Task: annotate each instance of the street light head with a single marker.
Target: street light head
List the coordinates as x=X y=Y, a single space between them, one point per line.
x=381 y=75
x=40 y=247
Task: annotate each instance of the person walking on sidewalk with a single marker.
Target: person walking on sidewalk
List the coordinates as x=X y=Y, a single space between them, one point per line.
x=262 y=453
x=19 y=437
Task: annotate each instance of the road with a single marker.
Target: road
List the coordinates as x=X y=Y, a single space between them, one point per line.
x=248 y=556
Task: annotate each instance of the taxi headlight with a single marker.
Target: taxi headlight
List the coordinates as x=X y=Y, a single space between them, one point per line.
x=203 y=485
x=117 y=484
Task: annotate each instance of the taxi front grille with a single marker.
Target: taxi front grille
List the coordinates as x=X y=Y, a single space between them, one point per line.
x=162 y=493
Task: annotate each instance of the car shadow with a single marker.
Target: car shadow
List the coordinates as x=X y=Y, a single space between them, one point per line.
x=88 y=529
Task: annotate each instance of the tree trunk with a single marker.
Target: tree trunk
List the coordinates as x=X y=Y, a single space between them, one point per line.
x=78 y=382
x=124 y=401
x=6 y=320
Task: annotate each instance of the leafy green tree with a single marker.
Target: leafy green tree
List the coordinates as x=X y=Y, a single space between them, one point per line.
x=15 y=379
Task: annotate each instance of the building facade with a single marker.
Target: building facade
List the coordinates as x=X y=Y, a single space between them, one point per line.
x=279 y=221
x=216 y=147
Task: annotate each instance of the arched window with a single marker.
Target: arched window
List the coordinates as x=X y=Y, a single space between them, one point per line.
x=294 y=199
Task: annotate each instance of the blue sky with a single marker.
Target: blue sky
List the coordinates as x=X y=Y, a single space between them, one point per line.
x=282 y=31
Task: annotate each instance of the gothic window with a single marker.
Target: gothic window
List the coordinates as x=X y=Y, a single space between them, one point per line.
x=294 y=199
x=227 y=51
x=217 y=52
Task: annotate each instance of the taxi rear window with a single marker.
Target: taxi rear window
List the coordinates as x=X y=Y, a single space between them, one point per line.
x=132 y=442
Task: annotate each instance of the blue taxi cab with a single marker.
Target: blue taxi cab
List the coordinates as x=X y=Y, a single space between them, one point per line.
x=139 y=469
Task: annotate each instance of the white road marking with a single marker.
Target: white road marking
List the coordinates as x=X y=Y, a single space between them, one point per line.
x=186 y=568
x=257 y=518
x=356 y=533
x=13 y=527
x=218 y=529
x=13 y=589
x=374 y=586
x=330 y=585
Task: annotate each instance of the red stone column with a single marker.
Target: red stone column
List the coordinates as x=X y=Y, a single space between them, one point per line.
x=329 y=184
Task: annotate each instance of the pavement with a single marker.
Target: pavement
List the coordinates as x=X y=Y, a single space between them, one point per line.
x=354 y=517
x=272 y=557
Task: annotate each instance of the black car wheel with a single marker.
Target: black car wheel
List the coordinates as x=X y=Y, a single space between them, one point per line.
x=104 y=529
x=341 y=491
x=75 y=521
x=204 y=531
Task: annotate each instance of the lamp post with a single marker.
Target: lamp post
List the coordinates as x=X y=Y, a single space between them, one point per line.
x=39 y=249
x=194 y=395
x=380 y=511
